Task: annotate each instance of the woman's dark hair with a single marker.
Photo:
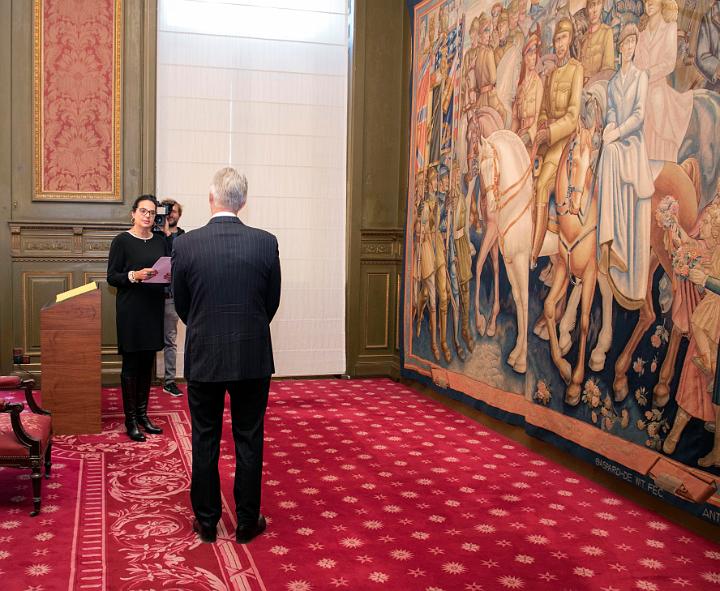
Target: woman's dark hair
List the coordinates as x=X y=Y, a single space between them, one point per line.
x=144 y=198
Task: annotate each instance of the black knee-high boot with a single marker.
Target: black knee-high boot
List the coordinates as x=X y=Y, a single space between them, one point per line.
x=129 y=396
x=143 y=393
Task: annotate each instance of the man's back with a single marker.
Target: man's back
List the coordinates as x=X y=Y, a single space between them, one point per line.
x=226 y=281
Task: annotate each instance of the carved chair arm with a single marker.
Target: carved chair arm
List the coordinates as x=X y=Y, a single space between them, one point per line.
x=14 y=409
x=29 y=385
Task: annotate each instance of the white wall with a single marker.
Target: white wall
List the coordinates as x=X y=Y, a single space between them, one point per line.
x=261 y=85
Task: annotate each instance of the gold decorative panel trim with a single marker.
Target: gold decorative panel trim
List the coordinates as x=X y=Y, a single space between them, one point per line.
x=77 y=122
x=381 y=245
x=59 y=241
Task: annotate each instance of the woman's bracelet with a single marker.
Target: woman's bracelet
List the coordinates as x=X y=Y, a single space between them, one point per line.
x=131 y=277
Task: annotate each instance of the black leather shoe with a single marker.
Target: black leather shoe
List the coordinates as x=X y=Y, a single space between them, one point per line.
x=207 y=535
x=245 y=533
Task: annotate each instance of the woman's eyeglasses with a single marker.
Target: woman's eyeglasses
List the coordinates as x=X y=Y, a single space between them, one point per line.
x=142 y=211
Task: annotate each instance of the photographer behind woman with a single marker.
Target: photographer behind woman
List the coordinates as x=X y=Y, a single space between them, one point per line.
x=140 y=309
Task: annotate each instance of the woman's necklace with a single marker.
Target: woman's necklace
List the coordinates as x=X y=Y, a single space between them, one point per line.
x=143 y=238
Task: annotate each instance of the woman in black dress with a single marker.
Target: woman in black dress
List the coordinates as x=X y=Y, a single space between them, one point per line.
x=140 y=309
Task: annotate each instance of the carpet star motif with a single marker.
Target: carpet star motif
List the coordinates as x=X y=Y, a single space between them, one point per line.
x=279 y=550
x=581 y=571
x=37 y=570
x=401 y=554
x=547 y=577
x=453 y=568
x=651 y=563
x=378 y=577
x=511 y=582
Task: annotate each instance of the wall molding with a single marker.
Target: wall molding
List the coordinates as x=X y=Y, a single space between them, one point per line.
x=57 y=241
x=381 y=244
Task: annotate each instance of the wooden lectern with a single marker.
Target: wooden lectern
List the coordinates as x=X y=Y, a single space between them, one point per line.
x=70 y=362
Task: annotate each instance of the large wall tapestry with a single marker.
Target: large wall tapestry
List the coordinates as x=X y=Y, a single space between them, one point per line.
x=76 y=102
x=563 y=235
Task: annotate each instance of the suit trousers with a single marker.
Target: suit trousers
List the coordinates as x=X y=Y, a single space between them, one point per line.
x=248 y=402
x=170 y=351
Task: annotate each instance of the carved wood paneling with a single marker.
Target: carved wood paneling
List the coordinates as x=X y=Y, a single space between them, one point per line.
x=51 y=257
x=381 y=245
x=108 y=334
x=61 y=240
x=38 y=289
x=380 y=270
x=377 y=310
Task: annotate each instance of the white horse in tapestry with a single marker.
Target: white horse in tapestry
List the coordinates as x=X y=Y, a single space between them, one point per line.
x=506 y=174
x=505 y=171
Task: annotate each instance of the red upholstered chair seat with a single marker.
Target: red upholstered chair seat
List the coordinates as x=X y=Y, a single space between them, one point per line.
x=36 y=426
x=8 y=382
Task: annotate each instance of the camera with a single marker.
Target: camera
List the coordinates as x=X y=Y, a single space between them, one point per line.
x=160 y=215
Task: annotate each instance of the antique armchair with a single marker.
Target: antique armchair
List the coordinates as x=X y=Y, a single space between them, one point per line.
x=25 y=437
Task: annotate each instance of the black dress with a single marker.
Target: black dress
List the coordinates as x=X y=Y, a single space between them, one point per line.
x=140 y=307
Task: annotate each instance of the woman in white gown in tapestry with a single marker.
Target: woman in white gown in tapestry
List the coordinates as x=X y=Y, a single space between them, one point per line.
x=667 y=111
x=625 y=181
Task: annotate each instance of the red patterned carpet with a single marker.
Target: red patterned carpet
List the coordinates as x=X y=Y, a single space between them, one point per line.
x=368 y=485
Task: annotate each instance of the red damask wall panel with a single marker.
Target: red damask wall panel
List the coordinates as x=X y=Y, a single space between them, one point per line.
x=77 y=99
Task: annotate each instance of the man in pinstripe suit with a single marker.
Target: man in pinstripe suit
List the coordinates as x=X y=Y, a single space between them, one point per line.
x=226 y=281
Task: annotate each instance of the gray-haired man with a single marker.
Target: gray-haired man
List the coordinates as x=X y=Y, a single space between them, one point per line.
x=226 y=281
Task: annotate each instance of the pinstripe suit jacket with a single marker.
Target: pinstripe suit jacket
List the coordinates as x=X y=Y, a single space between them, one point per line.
x=226 y=281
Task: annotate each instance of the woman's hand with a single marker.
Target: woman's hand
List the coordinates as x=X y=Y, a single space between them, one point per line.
x=610 y=134
x=144 y=274
x=697 y=276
